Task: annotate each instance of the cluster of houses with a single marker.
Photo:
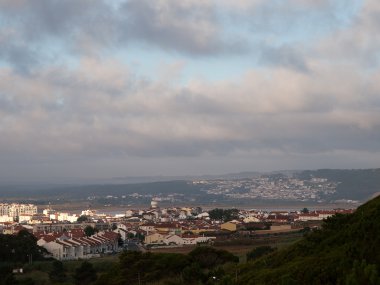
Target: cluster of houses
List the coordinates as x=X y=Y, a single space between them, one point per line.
x=74 y=244
x=169 y=234
x=63 y=236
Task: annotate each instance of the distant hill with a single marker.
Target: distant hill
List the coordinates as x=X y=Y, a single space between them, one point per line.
x=83 y=191
x=345 y=251
x=355 y=184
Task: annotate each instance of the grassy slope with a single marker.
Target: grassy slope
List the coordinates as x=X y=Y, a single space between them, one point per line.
x=325 y=256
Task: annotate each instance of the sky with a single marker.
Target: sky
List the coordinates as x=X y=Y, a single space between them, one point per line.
x=99 y=89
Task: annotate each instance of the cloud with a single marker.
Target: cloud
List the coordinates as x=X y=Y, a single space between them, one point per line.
x=100 y=108
x=189 y=26
x=59 y=28
x=64 y=95
x=286 y=56
x=356 y=42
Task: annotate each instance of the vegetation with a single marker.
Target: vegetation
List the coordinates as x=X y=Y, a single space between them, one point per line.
x=83 y=218
x=85 y=274
x=224 y=214
x=345 y=251
x=89 y=231
x=197 y=266
x=20 y=248
x=259 y=252
x=58 y=272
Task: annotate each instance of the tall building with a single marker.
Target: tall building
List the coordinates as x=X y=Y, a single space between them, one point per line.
x=14 y=210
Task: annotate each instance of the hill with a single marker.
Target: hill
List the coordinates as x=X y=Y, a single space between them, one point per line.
x=345 y=251
x=83 y=191
x=356 y=184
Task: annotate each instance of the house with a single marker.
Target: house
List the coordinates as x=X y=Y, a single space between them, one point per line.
x=173 y=239
x=63 y=247
x=251 y=219
x=231 y=226
x=154 y=238
x=187 y=239
x=309 y=217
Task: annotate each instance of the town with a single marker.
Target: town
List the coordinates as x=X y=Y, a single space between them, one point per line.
x=257 y=190
x=91 y=234
x=271 y=187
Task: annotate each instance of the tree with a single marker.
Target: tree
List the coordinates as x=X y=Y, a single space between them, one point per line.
x=209 y=257
x=83 y=218
x=18 y=248
x=363 y=273
x=305 y=211
x=6 y=274
x=85 y=274
x=89 y=231
x=58 y=272
x=259 y=252
x=224 y=214
x=192 y=273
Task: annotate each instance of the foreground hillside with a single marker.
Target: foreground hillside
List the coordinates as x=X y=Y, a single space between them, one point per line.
x=345 y=251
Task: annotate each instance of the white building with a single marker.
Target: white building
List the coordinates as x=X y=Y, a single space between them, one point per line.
x=66 y=248
x=5 y=219
x=15 y=210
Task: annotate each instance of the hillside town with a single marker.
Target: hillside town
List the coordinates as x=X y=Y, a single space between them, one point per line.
x=91 y=234
x=271 y=187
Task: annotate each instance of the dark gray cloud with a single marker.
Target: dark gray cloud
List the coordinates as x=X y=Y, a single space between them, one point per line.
x=42 y=30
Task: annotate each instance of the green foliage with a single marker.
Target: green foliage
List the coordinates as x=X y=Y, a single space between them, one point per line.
x=58 y=272
x=135 y=266
x=18 y=248
x=85 y=274
x=209 y=257
x=305 y=210
x=363 y=273
x=330 y=255
x=168 y=268
x=193 y=273
x=223 y=214
x=6 y=274
x=259 y=252
x=83 y=218
x=89 y=231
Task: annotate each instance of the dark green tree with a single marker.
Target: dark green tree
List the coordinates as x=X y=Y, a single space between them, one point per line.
x=57 y=272
x=20 y=247
x=192 y=273
x=209 y=257
x=305 y=211
x=259 y=252
x=6 y=275
x=83 y=218
x=223 y=214
x=363 y=273
x=85 y=274
x=89 y=231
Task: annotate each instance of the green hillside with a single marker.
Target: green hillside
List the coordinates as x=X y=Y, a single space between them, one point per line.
x=345 y=251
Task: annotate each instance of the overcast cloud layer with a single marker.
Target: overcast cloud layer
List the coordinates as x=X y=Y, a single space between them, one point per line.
x=167 y=87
